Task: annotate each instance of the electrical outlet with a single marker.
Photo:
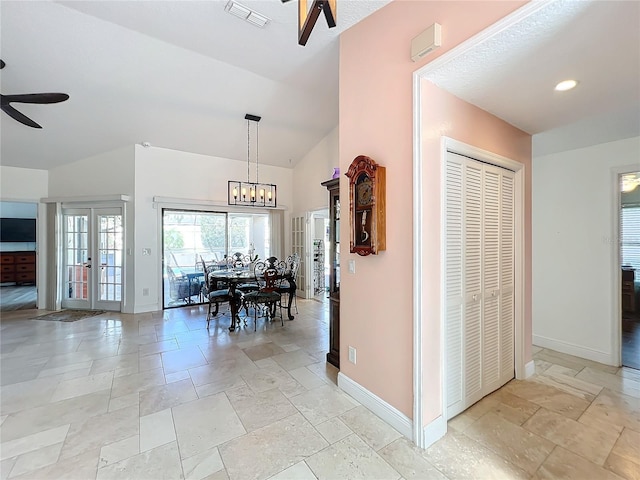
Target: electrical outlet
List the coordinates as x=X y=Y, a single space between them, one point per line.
x=352 y=355
x=145 y=292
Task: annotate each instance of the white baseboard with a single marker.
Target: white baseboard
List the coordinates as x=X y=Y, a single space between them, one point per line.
x=575 y=350
x=529 y=369
x=150 y=307
x=434 y=431
x=382 y=409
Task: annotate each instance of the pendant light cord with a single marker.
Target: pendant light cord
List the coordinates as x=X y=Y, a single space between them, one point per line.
x=248 y=155
x=257 y=149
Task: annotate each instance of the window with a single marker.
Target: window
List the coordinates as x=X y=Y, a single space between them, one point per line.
x=630 y=235
x=192 y=236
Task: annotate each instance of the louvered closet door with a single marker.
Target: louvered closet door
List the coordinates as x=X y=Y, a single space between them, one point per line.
x=491 y=280
x=454 y=299
x=479 y=276
x=507 y=277
x=472 y=276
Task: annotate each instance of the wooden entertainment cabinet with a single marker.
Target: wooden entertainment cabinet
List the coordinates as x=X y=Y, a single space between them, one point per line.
x=18 y=267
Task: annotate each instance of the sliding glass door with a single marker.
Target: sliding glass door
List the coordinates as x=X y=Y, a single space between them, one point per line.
x=192 y=237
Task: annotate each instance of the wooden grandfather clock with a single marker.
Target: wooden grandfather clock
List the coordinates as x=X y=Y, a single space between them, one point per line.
x=333 y=185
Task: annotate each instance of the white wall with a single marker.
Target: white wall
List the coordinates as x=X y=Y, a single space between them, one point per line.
x=29 y=185
x=200 y=182
x=316 y=167
x=108 y=173
x=23 y=184
x=574 y=248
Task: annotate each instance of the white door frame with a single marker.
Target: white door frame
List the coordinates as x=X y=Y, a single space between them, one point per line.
x=454 y=146
x=616 y=262
x=93 y=300
x=424 y=435
x=311 y=216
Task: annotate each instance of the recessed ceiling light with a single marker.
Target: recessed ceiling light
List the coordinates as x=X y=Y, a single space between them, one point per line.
x=566 y=85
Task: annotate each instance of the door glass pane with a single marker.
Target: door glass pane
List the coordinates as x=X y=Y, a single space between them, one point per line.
x=76 y=257
x=110 y=255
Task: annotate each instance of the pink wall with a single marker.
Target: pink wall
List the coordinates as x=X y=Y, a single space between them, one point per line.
x=446 y=115
x=376 y=119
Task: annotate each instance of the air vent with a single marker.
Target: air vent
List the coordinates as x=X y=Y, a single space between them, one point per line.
x=245 y=13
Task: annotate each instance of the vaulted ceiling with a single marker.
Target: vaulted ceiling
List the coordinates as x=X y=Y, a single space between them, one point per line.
x=182 y=75
x=176 y=74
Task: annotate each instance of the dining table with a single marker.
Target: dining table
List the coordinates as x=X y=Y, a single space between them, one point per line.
x=234 y=277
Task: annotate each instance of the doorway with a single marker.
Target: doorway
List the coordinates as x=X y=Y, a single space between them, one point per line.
x=629 y=184
x=319 y=237
x=92 y=258
x=18 y=242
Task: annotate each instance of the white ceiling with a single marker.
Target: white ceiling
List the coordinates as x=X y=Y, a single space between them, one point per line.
x=182 y=74
x=512 y=73
x=177 y=74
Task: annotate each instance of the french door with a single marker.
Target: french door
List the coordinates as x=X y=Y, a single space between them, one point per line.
x=299 y=232
x=92 y=258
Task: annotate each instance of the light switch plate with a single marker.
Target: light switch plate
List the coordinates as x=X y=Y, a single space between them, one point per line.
x=352 y=266
x=352 y=355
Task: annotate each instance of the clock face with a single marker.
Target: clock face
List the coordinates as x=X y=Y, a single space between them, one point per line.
x=364 y=192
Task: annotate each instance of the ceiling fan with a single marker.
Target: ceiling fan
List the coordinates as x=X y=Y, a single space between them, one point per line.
x=307 y=16
x=38 y=98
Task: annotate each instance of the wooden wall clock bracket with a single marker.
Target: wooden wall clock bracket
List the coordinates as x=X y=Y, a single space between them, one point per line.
x=367 y=202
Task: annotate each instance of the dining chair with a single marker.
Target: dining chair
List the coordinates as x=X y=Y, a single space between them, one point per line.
x=292 y=266
x=239 y=260
x=216 y=294
x=267 y=298
x=179 y=284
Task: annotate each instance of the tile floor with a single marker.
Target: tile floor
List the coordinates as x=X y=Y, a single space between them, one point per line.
x=156 y=395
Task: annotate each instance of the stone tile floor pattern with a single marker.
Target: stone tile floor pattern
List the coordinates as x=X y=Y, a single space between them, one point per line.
x=157 y=395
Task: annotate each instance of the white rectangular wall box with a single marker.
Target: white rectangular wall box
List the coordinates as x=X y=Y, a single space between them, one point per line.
x=426 y=42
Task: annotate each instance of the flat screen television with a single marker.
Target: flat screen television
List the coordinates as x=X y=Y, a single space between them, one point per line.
x=17 y=229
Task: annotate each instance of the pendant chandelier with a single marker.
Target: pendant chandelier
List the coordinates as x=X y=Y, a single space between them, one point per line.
x=251 y=194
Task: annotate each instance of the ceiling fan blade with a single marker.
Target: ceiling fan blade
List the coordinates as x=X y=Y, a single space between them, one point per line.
x=40 y=98
x=16 y=115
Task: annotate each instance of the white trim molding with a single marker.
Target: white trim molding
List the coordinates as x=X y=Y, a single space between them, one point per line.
x=455 y=146
x=418 y=417
x=382 y=409
x=169 y=202
x=504 y=23
x=434 y=430
x=427 y=434
x=616 y=263
x=88 y=199
x=529 y=369
x=608 y=358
